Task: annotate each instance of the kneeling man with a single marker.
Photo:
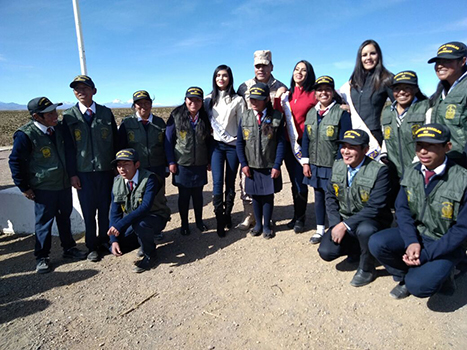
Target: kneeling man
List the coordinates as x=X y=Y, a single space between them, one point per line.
x=356 y=204
x=428 y=243
x=139 y=211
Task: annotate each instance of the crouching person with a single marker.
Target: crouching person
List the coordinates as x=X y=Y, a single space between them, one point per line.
x=138 y=211
x=356 y=204
x=429 y=242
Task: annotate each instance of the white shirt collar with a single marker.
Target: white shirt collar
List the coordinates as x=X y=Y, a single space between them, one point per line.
x=357 y=167
x=140 y=119
x=438 y=170
x=42 y=127
x=83 y=108
x=134 y=179
x=318 y=107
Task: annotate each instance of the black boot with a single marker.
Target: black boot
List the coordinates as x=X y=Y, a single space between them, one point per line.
x=291 y=223
x=300 y=202
x=218 y=203
x=229 y=203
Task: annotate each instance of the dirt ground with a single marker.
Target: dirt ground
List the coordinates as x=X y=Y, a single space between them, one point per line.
x=239 y=292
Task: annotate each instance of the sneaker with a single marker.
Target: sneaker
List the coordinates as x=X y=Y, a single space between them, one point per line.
x=74 y=253
x=43 y=265
x=316 y=238
x=93 y=256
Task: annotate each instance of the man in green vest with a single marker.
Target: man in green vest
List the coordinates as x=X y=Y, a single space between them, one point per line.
x=356 y=205
x=431 y=212
x=39 y=165
x=450 y=99
x=139 y=212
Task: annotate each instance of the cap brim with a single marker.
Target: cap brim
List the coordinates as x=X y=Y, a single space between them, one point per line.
x=119 y=159
x=351 y=142
x=446 y=56
x=74 y=83
x=195 y=96
x=265 y=62
x=51 y=108
x=404 y=82
x=429 y=140
x=261 y=98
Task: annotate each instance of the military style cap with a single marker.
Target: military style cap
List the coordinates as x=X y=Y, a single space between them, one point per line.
x=259 y=91
x=450 y=51
x=355 y=137
x=126 y=154
x=325 y=79
x=405 y=77
x=41 y=105
x=433 y=133
x=141 y=95
x=262 y=57
x=195 y=91
x=82 y=79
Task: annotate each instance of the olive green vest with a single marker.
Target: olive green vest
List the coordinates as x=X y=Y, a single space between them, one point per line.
x=130 y=202
x=353 y=199
x=150 y=144
x=95 y=144
x=47 y=164
x=191 y=149
x=323 y=147
x=400 y=142
x=260 y=149
x=435 y=214
x=452 y=112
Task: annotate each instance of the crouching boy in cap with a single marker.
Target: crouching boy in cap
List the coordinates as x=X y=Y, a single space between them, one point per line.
x=423 y=250
x=356 y=203
x=138 y=211
x=39 y=169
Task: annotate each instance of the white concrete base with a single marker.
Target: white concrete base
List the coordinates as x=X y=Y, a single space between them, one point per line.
x=17 y=213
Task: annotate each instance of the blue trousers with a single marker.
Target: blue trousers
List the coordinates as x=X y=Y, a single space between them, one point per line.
x=47 y=206
x=353 y=243
x=184 y=195
x=422 y=281
x=295 y=170
x=94 y=196
x=141 y=234
x=223 y=154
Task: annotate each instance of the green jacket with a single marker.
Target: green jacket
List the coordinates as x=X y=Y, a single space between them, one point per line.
x=452 y=112
x=148 y=143
x=47 y=164
x=130 y=202
x=400 y=140
x=323 y=147
x=94 y=145
x=436 y=213
x=260 y=144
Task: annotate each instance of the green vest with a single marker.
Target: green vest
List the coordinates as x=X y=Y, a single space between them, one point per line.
x=435 y=214
x=400 y=140
x=452 y=112
x=353 y=199
x=47 y=164
x=260 y=149
x=95 y=144
x=130 y=202
x=150 y=144
x=323 y=148
x=191 y=149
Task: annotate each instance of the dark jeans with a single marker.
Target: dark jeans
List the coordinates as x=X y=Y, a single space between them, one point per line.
x=47 y=206
x=422 y=281
x=184 y=195
x=295 y=170
x=223 y=154
x=353 y=243
x=95 y=196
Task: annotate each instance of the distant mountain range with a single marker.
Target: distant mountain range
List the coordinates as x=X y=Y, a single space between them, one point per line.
x=11 y=106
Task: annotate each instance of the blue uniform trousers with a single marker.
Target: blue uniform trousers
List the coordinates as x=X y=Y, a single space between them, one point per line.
x=422 y=281
x=49 y=205
x=95 y=196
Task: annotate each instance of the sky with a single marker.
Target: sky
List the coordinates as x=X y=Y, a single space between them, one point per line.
x=165 y=47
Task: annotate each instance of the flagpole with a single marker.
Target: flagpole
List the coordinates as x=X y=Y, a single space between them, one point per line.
x=79 y=34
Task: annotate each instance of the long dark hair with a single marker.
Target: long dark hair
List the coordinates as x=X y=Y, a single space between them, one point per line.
x=215 y=89
x=443 y=85
x=203 y=127
x=309 y=80
x=381 y=75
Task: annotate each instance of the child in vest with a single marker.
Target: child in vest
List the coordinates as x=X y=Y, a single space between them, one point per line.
x=188 y=149
x=260 y=150
x=324 y=125
x=39 y=168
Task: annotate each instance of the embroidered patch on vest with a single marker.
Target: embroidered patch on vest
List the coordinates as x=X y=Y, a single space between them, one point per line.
x=77 y=134
x=131 y=136
x=105 y=133
x=336 y=189
x=46 y=152
x=415 y=128
x=182 y=134
x=330 y=131
x=408 y=195
x=161 y=137
x=447 y=210
x=246 y=134
x=364 y=196
x=450 y=111
x=308 y=129
x=387 y=132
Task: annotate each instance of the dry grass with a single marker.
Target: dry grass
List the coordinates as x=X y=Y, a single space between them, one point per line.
x=10 y=121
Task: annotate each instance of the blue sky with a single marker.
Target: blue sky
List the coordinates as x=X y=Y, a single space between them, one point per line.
x=166 y=46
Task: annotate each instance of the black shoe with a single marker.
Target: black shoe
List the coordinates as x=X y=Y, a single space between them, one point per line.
x=291 y=224
x=362 y=278
x=268 y=234
x=202 y=227
x=43 y=265
x=185 y=231
x=143 y=265
x=256 y=231
x=93 y=256
x=399 y=292
x=316 y=238
x=299 y=226
x=449 y=286
x=74 y=253
x=353 y=259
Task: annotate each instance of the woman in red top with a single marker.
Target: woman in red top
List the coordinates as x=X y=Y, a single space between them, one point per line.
x=295 y=104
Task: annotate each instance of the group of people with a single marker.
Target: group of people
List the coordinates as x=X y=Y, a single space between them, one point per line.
x=361 y=155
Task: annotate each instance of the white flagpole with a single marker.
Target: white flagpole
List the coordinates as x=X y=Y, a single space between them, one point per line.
x=79 y=34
